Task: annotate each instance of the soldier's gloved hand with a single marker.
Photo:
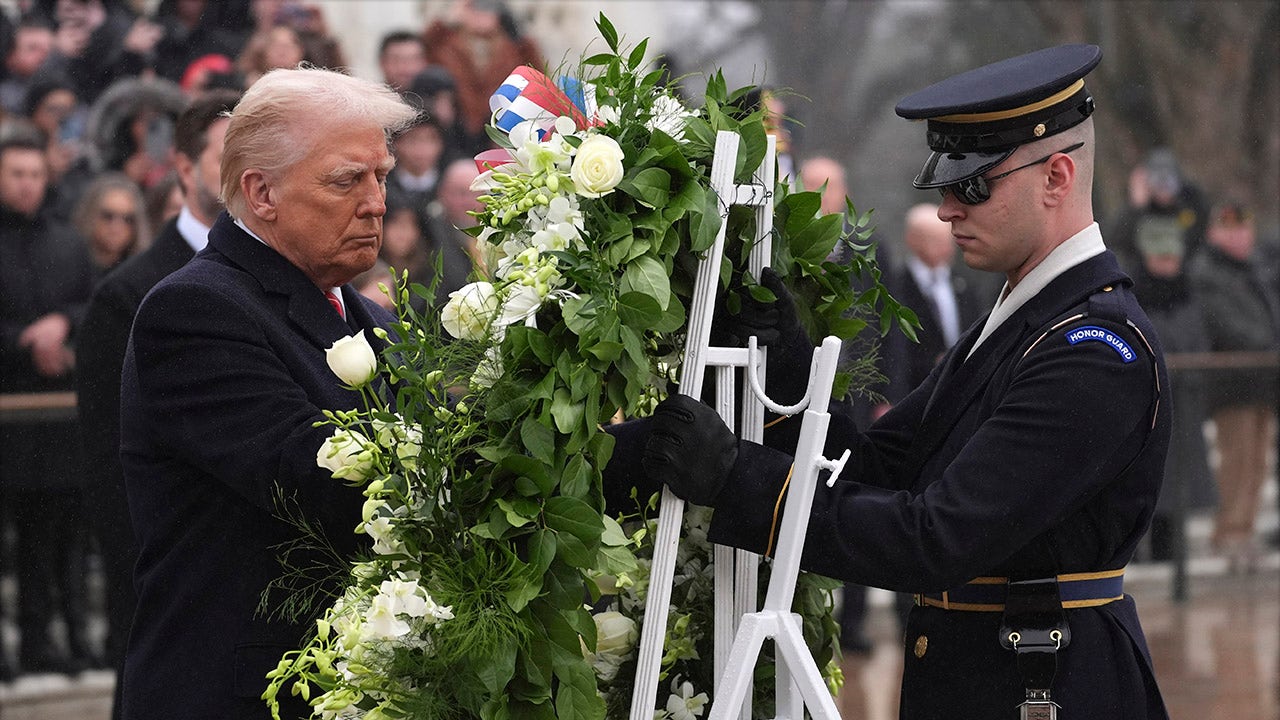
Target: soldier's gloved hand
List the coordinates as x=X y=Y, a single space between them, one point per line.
x=776 y=326
x=690 y=449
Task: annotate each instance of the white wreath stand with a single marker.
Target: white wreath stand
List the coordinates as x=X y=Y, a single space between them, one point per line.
x=740 y=630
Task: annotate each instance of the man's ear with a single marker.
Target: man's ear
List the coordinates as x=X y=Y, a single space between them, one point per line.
x=1059 y=179
x=259 y=195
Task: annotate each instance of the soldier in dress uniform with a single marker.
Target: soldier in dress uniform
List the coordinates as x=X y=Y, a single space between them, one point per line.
x=1010 y=489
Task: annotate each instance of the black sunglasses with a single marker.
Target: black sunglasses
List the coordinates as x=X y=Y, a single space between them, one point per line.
x=977 y=190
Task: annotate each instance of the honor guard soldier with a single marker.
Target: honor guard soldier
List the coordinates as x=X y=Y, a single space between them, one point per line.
x=1009 y=490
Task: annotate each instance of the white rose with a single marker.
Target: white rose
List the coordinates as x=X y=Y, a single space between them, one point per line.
x=470 y=311
x=344 y=455
x=597 y=168
x=615 y=638
x=352 y=359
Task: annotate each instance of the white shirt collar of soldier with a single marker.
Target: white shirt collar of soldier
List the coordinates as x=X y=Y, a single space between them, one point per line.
x=192 y=230
x=1076 y=249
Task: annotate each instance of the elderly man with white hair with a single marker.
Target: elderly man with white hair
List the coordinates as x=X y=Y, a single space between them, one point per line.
x=224 y=380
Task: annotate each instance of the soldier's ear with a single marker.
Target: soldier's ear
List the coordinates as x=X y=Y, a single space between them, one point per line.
x=259 y=194
x=1060 y=176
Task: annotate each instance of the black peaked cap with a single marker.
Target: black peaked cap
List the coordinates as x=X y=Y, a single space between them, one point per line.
x=978 y=118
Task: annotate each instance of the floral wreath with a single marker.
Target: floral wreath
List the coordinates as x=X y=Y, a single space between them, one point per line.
x=497 y=585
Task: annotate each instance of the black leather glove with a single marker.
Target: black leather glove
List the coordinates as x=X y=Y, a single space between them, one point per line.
x=776 y=326
x=690 y=449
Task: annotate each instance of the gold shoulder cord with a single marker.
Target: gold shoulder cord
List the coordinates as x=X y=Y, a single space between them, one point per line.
x=773 y=524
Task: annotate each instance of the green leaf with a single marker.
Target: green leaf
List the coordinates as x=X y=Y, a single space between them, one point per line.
x=566 y=413
x=607 y=32
x=651 y=186
x=705 y=224
x=637 y=55
x=647 y=275
x=573 y=516
x=519 y=511
x=577 y=698
x=538 y=439
x=578 y=314
x=573 y=551
x=496 y=669
x=599 y=59
x=532 y=470
x=671 y=320
x=576 y=479
x=716 y=88
x=606 y=350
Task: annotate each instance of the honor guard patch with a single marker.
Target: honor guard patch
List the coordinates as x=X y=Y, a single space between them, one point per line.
x=1102 y=335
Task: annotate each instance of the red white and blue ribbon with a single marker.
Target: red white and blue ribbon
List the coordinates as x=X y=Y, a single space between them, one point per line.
x=527 y=94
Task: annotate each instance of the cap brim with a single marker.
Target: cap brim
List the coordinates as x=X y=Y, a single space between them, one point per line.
x=943 y=169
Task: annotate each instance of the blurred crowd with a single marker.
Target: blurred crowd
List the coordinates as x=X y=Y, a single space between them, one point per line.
x=92 y=103
x=110 y=144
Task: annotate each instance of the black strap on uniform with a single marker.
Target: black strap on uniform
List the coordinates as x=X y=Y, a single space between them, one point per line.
x=1034 y=626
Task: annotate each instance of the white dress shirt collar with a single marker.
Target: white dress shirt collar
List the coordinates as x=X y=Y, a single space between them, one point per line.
x=1076 y=249
x=192 y=230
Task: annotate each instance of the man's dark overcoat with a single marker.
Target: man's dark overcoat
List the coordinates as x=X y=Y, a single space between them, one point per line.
x=223 y=379
x=1032 y=458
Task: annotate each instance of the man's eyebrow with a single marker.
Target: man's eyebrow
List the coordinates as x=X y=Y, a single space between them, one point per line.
x=348 y=169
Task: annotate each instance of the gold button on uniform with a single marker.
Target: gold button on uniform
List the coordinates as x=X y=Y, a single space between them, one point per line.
x=922 y=646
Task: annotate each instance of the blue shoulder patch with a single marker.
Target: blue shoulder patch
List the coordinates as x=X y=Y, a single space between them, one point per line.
x=1102 y=335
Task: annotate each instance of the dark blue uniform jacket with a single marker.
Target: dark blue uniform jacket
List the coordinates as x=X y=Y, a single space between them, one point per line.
x=224 y=376
x=1032 y=458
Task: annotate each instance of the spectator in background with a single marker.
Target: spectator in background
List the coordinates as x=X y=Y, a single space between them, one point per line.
x=1240 y=315
x=98 y=42
x=401 y=56
x=163 y=202
x=434 y=91
x=129 y=130
x=112 y=219
x=404 y=246
x=52 y=107
x=198 y=140
x=944 y=303
x=366 y=283
x=32 y=43
x=479 y=44
x=419 y=151
x=45 y=280
x=1161 y=284
x=1161 y=201
x=193 y=29
x=277 y=47
x=455 y=251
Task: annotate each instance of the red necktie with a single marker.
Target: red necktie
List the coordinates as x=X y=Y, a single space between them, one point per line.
x=336 y=303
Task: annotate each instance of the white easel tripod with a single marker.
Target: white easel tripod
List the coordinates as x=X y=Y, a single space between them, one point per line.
x=799 y=684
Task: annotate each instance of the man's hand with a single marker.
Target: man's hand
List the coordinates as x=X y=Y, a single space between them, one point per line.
x=690 y=449
x=46 y=338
